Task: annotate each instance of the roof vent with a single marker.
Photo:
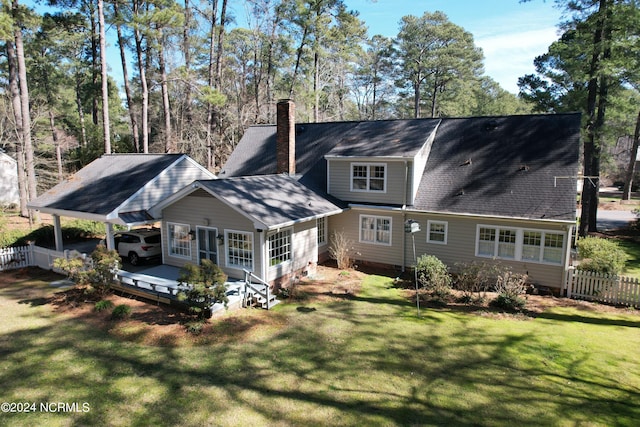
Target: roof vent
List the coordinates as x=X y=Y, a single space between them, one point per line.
x=491 y=125
x=524 y=168
x=460 y=193
x=466 y=162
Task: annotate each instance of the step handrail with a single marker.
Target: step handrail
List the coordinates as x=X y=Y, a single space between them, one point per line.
x=248 y=284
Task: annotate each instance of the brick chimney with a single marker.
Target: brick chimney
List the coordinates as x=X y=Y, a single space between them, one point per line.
x=286 y=137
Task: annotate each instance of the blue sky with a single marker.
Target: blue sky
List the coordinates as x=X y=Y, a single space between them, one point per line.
x=511 y=34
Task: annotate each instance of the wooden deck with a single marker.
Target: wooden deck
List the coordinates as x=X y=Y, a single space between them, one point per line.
x=165 y=290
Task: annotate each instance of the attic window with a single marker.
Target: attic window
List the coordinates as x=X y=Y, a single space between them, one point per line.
x=369 y=177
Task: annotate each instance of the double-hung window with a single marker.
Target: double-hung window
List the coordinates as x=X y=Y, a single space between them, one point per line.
x=369 y=177
x=179 y=240
x=437 y=232
x=279 y=247
x=375 y=229
x=239 y=249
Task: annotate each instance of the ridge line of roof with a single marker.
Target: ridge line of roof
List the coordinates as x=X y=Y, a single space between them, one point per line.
x=568 y=113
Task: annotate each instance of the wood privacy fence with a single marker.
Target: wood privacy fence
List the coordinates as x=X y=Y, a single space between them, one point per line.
x=31 y=256
x=604 y=288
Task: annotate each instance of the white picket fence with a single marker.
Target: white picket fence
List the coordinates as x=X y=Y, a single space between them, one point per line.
x=604 y=288
x=12 y=258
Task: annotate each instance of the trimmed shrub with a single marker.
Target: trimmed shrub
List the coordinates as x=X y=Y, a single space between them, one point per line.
x=103 y=305
x=207 y=286
x=601 y=255
x=97 y=271
x=195 y=327
x=121 y=312
x=433 y=275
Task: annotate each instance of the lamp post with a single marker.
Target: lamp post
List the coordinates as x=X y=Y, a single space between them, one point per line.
x=412 y=227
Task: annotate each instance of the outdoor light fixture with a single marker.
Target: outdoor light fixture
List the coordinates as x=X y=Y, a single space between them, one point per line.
x=411 y=226
x=221 y=239
x=192 y=235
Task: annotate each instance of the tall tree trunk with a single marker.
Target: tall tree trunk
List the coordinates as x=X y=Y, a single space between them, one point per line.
x=168 y=140
x=591 y=150
x=186 y=47
x=95 y=41
x=434 y=97
x=223 y=18
x=143 y=83
x=316 y=89
x=105 y=82
x=125 y=75
x=83 y=127
x=17 y=114
x=416 y=100
x=271 y=70
x=26 y=115
x=211 y=81
x=631 y=169
x=296 y=69
x=56 y=143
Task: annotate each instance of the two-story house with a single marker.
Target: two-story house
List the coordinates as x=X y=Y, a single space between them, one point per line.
x=496 y=189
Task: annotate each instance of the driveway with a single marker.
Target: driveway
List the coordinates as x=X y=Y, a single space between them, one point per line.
x=612 y=219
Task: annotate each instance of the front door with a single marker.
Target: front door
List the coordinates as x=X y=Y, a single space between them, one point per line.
x=208 y=244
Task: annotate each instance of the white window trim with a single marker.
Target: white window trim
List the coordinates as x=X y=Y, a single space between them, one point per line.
x=368 y=189
x=325 y=239
x=170 y=246
x=376 y=217
x=446 y=232
x=520 y=243
x=290 y=260
x=226 y=250
x=202 y=227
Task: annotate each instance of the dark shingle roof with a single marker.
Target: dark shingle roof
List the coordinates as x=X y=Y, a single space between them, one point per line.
x=503 y=166
x=105 y=183
x=513 y=160
x=272 y=200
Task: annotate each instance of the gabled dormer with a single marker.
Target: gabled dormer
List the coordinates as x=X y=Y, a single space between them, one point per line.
x=380 y=162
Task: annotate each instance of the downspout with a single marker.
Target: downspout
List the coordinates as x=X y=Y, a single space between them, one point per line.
x=567 y=258
x=404 y=215
x=263 y=255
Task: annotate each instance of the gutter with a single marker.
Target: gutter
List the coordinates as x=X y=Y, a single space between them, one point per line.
x=468 y=215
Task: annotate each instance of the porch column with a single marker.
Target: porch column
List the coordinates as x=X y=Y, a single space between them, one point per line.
x=57 y=233
x=111 y=244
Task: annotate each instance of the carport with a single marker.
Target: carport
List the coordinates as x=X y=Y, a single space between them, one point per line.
x=118 y=189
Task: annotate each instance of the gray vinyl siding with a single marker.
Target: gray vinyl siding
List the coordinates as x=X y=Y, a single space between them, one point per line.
x=304 y=250
x=201 y=209
x=168 y=183
x=348 y=223
x=461 y=246
x=396 y=193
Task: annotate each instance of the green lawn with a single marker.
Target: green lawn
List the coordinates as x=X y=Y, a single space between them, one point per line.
x=365 y=360
x=632 y=266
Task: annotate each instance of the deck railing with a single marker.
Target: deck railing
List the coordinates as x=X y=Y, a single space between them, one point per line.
x=260 y=290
